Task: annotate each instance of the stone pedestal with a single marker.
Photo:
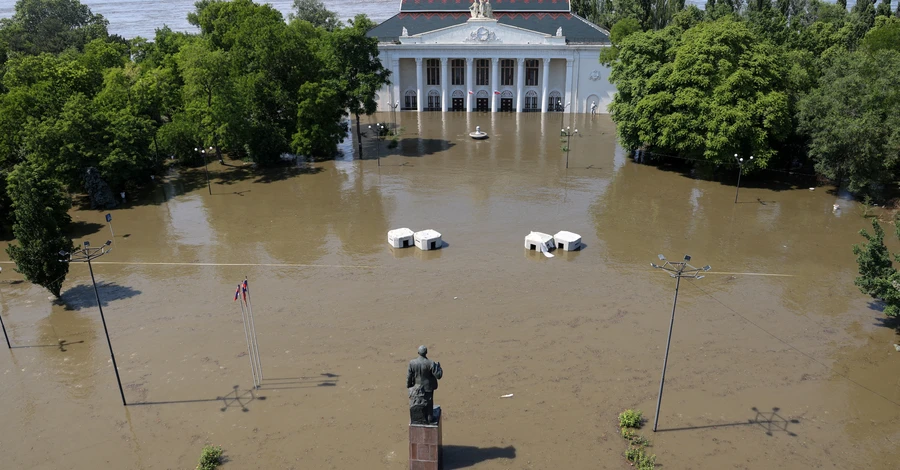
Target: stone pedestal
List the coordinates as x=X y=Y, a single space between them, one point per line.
x=425 y=445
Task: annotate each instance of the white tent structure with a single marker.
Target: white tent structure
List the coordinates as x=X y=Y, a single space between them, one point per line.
x=568 y=241
x=400 y=238
x=542 y=242
x=428 y=240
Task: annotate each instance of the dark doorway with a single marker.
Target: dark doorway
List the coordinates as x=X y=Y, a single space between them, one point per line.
x=506 y=104
x=481 y=104
x=458 y=104
x=433 y=245
x=405 y=243
x=560 y=246
x=533 y=247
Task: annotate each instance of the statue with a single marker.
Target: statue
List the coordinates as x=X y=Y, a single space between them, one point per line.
x=422 y=377
x=475 y=9
x=486 y=10
x=405 y=32
x=559 y=32
x=593 y=108
x=100 y=193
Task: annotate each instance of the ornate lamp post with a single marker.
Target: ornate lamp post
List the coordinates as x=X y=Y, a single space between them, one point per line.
x=206 y=165
x=378 y=129
x=740 y=162
x=86 y=254
x=678 y=270
x=562 y=110
x=566 y=132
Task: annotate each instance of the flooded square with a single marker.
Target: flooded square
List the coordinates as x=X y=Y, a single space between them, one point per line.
x=777 y=360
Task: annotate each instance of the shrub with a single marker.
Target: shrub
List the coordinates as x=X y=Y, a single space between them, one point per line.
x=210 y=458
x=631 y=419
x=627 y=434
x=646 y=462
x=634 y=454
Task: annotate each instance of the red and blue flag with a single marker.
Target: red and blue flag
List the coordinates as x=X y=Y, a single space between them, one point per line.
x=237 y=292
x=244 y=288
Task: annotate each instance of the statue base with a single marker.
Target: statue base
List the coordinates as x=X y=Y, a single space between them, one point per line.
x=426 y=445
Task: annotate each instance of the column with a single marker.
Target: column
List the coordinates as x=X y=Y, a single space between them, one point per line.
x=495 y=82
x=545 y=85
x=445 y=67
x=569 y=64
x=395 y=79
x=470 y=85
x=520 y=83
x=419 y=96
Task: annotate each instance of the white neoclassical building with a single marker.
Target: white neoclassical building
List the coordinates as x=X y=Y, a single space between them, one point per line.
x=506 y=55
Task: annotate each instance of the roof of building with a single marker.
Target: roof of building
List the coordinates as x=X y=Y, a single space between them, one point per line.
x=496 y=5
x=575 y=28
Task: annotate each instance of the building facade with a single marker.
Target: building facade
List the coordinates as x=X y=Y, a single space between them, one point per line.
x=506 y=55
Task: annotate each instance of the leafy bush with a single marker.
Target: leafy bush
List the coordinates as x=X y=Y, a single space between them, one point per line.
x=631 y=419
x=627 y=434
x=646 y=462
x=634 y=454
x=210 y=458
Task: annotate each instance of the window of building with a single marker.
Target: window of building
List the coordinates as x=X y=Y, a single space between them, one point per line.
x=483 y=72
x=433 y=71
x=434 y=101
x=531 y=72
x=531 y=100
x=506 y=72
x=409 y=100
x=458 y=71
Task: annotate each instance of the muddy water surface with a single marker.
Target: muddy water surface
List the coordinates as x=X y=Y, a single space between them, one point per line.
x=793 y=371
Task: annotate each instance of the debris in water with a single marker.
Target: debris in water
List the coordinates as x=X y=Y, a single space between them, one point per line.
x=897 y=347
x=507 y=396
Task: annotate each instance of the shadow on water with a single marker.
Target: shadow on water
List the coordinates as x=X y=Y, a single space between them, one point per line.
x=82 y=295
x=61 y=345
x=468 y=456
x=726 y=175
x=770 y=421
x=233 y=399
x=408 y=147
x=82 y=229
x=282 y=383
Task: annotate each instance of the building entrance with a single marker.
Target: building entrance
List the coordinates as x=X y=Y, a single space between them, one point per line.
x=458 y=104
x=506 y=104
x=482 y=104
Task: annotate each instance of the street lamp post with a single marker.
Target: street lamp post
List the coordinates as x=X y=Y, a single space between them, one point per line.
x=378 y=128
x=740 y=162
x=206 y=165
x=566 y=132
x=562 y=111
x=394 y=107
x=86 y=254
x=4 y=326
x=678 y=270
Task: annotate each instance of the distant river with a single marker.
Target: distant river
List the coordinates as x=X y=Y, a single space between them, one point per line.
x=130 y=18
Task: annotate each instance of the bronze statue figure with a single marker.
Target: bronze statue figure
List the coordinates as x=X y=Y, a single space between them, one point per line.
x=422 y=380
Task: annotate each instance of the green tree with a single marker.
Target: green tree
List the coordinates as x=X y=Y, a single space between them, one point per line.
x=320 y=124
x=883 y=9
x=51 y=26
x=885 y=35
x=877 y=276
x=852 y=121
x=40 y=206
x=619 y=31
x=352 y=58
x=314 y=12
x=711 y=92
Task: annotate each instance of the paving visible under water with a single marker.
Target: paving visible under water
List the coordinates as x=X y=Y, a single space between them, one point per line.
x=765 y=371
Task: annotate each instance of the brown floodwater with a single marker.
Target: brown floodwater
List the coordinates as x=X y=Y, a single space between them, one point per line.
x=777 y=360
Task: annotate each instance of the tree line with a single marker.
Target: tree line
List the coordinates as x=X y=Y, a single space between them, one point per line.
x=84 y=111
x=794 y=83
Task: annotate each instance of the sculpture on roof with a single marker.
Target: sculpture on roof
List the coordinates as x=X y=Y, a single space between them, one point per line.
x=481 y=9
x=559 y=32
x=405 y=32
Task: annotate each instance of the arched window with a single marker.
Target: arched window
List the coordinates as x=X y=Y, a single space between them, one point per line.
x=457 y=94
x=409 y=100
x=531 y=101
x=506 y=94
x=481 y=94
x=434 y=100
x=555 y=102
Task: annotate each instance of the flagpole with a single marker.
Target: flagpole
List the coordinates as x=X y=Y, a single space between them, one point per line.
x=253 y=329
x=247 y=337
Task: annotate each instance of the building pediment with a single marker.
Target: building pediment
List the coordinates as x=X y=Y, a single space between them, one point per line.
x=483 y=31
